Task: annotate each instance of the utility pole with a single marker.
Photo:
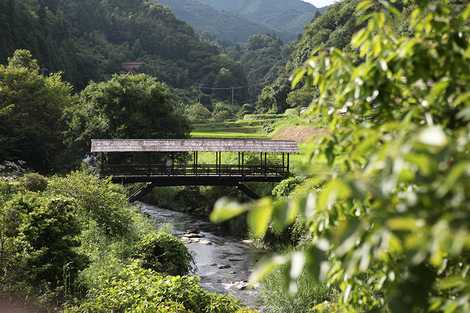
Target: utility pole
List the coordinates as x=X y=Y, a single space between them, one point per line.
x=199 y=94
x=233 y=95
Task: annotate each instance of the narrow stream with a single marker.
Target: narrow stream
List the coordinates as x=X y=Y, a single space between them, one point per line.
x=223 y=262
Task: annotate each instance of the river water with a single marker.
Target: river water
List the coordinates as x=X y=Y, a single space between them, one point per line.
x=223 y=262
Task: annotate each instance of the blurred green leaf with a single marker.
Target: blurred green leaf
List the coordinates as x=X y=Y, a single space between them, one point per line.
x=298 y=76
x=260 y=216
x=433 y=136
x=404 y=224
x=267 y=267
x=226 y=209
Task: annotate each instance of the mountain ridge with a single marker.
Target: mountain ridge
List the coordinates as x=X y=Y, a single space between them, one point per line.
x=237 y=20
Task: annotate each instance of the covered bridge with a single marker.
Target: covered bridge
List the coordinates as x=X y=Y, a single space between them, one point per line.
x=194 y=162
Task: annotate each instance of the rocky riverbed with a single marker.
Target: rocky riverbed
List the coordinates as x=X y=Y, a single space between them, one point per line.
x=222 y=261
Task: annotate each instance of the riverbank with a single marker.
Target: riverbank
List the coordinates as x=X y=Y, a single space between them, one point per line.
x=222 y=261
x=74 y=244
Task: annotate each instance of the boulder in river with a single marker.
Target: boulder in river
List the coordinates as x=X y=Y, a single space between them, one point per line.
x=192 y=235
x=205 y=242
x=241 y=285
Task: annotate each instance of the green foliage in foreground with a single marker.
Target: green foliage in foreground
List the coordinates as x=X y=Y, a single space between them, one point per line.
x=76 y=242
x=386 y=192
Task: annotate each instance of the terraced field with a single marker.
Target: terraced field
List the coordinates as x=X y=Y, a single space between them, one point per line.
x=253 y=126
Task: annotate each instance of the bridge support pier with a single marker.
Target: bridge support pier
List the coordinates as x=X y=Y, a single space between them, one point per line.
x=142 y=192
x=247 y=191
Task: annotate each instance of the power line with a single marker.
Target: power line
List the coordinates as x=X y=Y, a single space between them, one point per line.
x=234 y=87
x=202 y=90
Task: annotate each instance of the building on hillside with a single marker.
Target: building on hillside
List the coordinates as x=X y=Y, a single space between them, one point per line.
x=132 y=67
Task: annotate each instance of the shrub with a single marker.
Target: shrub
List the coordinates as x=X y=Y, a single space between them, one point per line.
x=223 y=111
x=135 y=288
x=7 y=190
x=38 y=239
x=163 y=253
x=246 y=310
x=284 y=188
x=197 y=113
x=98 y=199
x=165 y=307
x=35 y=182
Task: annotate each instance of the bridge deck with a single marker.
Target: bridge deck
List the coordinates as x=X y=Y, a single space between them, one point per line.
x=200 y=174
x=194 y=180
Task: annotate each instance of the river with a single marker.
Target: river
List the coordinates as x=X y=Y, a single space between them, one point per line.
x=223 y=262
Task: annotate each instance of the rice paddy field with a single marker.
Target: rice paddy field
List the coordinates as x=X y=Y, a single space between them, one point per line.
x=252 y=126
x=256 y=126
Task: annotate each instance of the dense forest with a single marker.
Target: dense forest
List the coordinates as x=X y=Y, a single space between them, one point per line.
x=89 y=40
x=235 y=21
x=374 y=216
x=334 y=28
x=224 y=25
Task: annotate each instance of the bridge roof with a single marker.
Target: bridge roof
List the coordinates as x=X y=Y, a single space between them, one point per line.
x=191 y=145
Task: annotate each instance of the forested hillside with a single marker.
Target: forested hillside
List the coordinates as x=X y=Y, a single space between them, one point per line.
x=262 y=58
x=224 y=25
x=236 y=20
x=90 y=39
x=334 y=28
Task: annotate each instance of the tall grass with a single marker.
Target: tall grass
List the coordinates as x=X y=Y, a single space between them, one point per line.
x=276 y=299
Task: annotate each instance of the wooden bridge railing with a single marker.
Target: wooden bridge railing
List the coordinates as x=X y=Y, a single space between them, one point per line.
x=194 y=170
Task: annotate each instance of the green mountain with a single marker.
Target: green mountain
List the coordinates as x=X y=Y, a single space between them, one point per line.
x=334 y=28
x=236 y=20
x=223 y=25
x=90 y=39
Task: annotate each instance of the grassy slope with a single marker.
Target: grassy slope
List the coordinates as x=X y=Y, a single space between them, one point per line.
x=252 y=126
x=231 y=129
x=284 y=128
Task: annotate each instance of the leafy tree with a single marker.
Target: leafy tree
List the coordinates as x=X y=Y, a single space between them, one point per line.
x=127 y=106
x=31 y=113
x=98 y=200
x=386 y=194
x=260 y=41
x=197 y=113
x=223 y=111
